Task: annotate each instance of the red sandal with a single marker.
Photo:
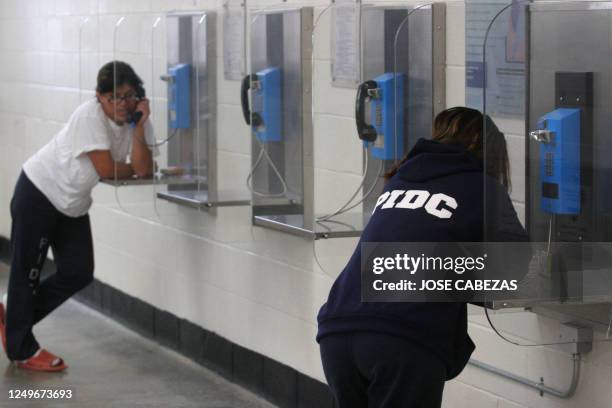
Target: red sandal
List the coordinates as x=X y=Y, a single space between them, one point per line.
x=43 y=361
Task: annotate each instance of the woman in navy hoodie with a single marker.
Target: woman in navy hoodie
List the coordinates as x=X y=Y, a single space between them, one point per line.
x=398 y=355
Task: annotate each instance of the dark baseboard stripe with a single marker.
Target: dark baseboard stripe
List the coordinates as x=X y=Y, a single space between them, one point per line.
x=276 y=382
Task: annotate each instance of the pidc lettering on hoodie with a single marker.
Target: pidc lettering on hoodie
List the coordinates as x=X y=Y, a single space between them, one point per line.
x=439 y=205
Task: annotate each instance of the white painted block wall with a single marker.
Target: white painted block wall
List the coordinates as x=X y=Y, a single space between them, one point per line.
x=258 y=288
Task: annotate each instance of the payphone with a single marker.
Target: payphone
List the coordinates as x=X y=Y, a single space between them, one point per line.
x=179 y=96
x=386 y=132
x=265 y=119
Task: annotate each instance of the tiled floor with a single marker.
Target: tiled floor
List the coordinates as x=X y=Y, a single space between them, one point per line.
x=111 y=366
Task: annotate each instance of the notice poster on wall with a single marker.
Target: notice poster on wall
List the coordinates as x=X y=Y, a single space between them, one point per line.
x=501 y=67
x=233 y=42
x=345 y=45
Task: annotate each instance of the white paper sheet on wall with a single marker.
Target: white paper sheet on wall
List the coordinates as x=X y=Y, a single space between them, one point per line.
x=233 y=44
x=345 y=46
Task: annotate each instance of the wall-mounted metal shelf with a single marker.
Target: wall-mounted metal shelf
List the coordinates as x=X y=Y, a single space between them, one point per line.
x=341 y=226
x=203 y=199
x=165 y=180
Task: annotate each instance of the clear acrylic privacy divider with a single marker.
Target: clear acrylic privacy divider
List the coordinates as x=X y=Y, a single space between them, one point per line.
x=89 y=63
x=403 y=84
x=227 y=152
x=337 y=152
x=338 y=158
x=229 y=198
x=419 y=60
x=276 y=98
x=89 y=57
x=547 y=81
x=131 y=145
x=87 y=70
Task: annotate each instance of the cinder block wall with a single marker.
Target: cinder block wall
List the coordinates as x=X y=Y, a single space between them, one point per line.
x=258 y=288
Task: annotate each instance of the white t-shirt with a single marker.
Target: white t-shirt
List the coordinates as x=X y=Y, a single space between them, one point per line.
x=61 y=169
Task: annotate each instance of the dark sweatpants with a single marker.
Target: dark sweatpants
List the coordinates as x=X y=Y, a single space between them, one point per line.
x=38 y=225
x=372 y=370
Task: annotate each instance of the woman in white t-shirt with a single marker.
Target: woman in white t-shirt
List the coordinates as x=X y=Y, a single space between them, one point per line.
x=51 y=200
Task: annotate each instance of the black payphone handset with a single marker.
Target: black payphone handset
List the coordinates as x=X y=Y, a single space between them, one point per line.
x=137 y=115
x=365 y=131
x=244 y=100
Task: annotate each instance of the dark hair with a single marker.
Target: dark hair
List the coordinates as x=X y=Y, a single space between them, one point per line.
x=464 y=127
x=119 y=72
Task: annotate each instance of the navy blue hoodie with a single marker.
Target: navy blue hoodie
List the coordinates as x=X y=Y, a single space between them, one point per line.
x=440 y=327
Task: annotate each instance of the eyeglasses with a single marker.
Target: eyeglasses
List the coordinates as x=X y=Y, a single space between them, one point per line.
x=130 y=97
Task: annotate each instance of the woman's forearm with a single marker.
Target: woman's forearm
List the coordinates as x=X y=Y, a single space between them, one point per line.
x=141 y=159
x=122 y=171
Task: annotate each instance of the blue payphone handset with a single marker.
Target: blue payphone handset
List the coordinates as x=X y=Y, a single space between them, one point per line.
x=265 y=119
x=559 y=135
x=386 y=132
x=179 y=96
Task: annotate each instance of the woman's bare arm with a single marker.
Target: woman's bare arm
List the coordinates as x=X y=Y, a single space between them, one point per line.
x=106 y=167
